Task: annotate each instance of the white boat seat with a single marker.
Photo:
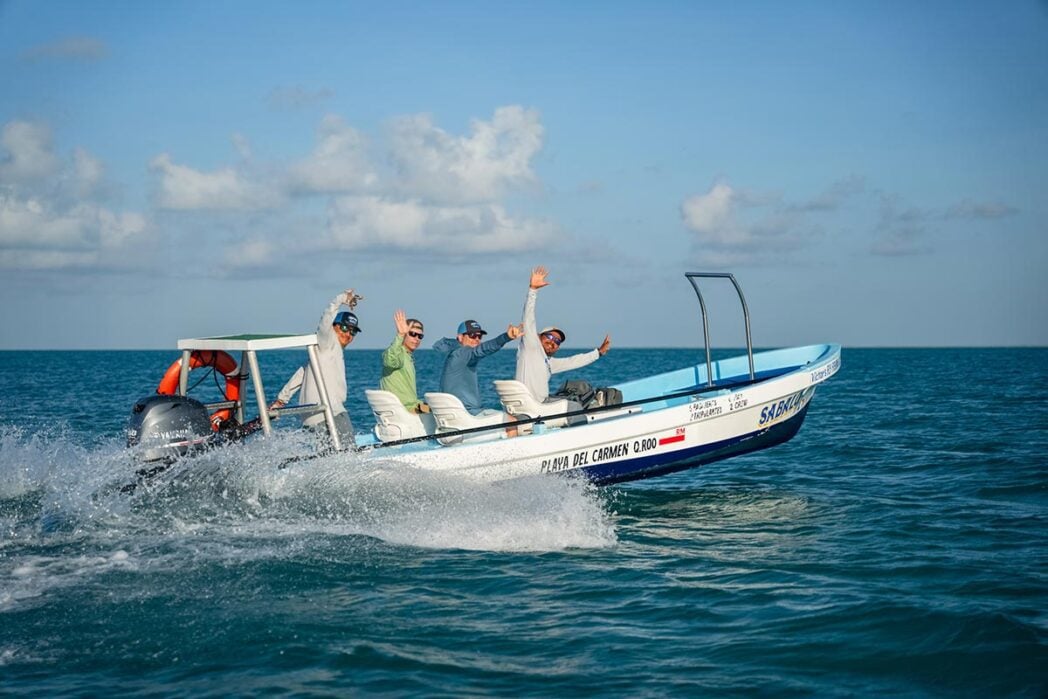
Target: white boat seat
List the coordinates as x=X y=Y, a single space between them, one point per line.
x=518 y=400
x=450 y=416
x=392 y=419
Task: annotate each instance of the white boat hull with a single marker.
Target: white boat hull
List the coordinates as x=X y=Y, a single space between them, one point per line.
x=665 y=436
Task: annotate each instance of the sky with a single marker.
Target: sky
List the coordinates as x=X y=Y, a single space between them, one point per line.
x=873 y=173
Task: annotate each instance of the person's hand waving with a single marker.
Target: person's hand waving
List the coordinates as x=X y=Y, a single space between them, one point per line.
x=538 y=277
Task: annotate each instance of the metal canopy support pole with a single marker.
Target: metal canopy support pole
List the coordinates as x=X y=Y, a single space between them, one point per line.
x=183 y=376
x=240 y=377
x=329 y=416
x=692 y=276
x=746 y=318
x=260 y=394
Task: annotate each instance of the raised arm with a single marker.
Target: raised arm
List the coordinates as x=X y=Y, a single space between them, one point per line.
x=394 y=355
x=326 y=337
x=538 y=278
x=496 y=343
x=559 y=364
x=400 y=319
x=529 y=327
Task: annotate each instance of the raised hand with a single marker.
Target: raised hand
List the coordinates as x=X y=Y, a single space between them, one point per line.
x=538 y=277
x=351 y=298
x=605 y=346
x=401 y=321
x=515 y=331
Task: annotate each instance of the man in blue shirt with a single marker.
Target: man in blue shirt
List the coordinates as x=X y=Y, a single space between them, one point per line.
x=459 y=376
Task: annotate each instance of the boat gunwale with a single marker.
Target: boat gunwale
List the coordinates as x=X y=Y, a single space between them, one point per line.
x=429 y=443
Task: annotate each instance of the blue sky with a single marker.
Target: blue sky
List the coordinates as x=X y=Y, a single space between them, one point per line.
x=874 y=173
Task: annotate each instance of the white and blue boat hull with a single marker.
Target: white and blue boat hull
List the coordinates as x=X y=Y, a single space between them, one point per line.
x=735 y=416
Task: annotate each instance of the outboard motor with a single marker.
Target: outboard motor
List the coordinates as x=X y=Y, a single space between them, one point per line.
x=167 y=427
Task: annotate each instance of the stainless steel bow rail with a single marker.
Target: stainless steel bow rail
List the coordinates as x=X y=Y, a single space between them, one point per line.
x=692 y=276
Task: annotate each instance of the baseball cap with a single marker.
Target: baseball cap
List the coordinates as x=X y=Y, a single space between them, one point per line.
x=554 y=329
x=468 y=327
x=347 y=320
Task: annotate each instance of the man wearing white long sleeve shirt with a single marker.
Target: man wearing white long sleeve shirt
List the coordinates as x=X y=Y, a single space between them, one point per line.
x=334 y=333
x=535 y=360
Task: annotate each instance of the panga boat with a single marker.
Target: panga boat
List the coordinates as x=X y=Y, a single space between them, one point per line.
x=664 y=423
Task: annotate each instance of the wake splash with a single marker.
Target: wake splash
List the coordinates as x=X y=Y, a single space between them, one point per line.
x=54 y=489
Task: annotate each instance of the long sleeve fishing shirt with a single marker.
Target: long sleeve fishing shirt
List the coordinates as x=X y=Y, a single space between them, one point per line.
x=398 y=374
x=459 y=376
x=332 y=368
x=533 y=366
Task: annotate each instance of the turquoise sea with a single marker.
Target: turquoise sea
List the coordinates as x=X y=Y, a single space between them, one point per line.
x=898 y=545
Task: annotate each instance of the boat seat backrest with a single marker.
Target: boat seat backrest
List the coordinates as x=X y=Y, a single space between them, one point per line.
x=392 y=419
x=518 y=400
x=450 y=416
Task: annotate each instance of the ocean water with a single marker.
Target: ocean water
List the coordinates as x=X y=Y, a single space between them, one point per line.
x=898 y=545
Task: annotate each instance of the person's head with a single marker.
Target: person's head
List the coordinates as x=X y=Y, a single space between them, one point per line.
x=551 y=339
x=470 y=334
x=346 y=327
x=415 y=334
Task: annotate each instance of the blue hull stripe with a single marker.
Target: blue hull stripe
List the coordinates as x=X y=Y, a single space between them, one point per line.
x=659 y=464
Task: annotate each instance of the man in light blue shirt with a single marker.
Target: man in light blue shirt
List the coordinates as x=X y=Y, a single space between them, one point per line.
x=459 y=376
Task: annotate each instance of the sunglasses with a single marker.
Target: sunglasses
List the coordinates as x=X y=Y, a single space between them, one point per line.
x=416 y=335
x=349 y=329
x=555 y=339
x=474 y=336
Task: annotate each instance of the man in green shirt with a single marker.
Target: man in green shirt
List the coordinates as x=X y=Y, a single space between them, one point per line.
x=398 y=366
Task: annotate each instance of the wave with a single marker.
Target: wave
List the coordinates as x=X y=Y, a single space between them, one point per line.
x=50 y=485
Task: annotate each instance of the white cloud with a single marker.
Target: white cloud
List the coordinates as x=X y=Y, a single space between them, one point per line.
x=30 y=154
x=712 y=215
x=902 y=229
x=338 y=163
x=33 y=223
x=481 y=167
x=443 y=194
x=183 y=188
x=734 y=227
x=88 y=172
x=253 y=254
x=47 y=217
x=410 y=225
x=116 y=229
x=36 y=234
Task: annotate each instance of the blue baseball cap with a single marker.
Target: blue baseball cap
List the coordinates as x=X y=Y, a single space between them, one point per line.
x=469 y=327
x=347 y=321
